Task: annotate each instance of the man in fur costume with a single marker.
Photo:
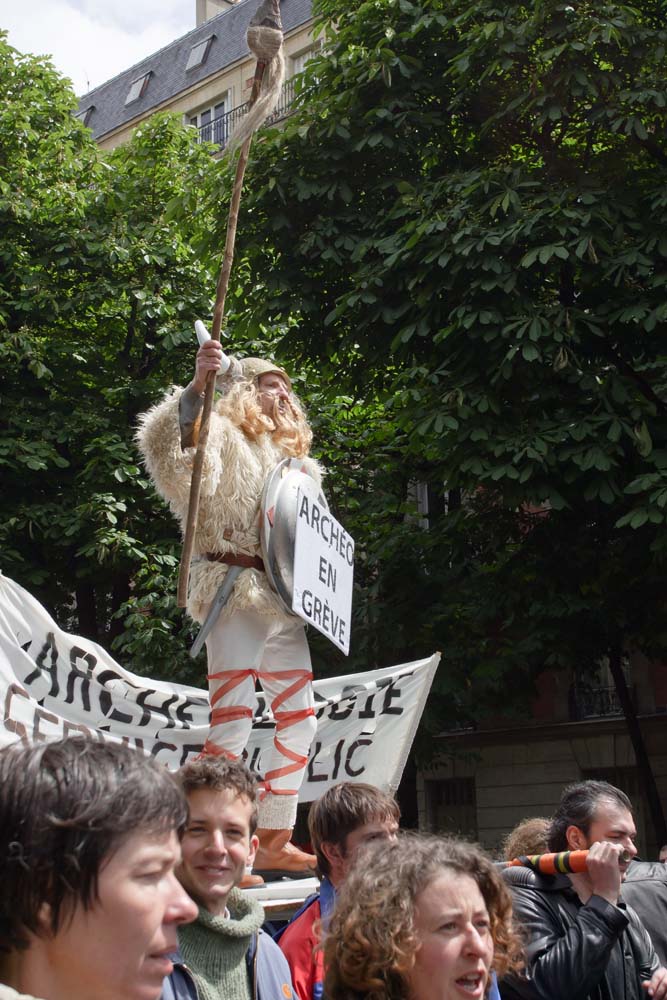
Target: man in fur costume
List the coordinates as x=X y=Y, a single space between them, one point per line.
x=255 y=424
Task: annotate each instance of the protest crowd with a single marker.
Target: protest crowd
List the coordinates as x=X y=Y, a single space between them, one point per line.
x=123 y=881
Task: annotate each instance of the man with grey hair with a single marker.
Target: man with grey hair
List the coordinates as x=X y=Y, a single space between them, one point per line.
x=583 y=942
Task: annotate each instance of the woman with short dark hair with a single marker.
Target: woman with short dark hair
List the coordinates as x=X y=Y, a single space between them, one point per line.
x=90 y=904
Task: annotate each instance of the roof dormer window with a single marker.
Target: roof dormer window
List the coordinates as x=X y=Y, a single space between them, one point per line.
x=138 y=88
x=84 y=114
x=199 y=53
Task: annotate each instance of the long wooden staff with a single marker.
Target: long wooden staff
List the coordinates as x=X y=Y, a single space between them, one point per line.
x=265 y=42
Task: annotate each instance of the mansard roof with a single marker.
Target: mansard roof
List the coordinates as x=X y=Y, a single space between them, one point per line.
x=163 y=75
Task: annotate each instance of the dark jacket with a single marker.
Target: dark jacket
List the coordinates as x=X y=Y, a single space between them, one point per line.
x=267 y=968
x=595 y=951
x=645 y=889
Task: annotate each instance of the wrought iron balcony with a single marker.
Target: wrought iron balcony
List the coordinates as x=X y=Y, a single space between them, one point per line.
x=594 y=702
x=219 y=129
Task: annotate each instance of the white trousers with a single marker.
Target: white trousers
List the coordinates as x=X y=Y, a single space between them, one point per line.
x=242 y=649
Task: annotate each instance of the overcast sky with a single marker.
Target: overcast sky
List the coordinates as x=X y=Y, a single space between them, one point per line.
x=92 y=40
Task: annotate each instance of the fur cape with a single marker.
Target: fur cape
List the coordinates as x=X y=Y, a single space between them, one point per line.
x=234 y=473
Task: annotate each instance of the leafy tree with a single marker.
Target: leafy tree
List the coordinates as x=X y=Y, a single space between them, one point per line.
x=458 y=239
x=103 y=275
x=466 y=218
x=45 y=155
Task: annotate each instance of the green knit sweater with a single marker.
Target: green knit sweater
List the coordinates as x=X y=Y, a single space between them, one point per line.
x=214 y=949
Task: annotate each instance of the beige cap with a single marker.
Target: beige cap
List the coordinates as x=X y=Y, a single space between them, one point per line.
x=253 y=368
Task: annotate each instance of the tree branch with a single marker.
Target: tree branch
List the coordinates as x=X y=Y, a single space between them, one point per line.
x=642 y=383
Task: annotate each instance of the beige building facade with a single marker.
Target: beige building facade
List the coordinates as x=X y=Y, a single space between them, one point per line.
x=206 y=75
x=485 y=781
x=206 y=9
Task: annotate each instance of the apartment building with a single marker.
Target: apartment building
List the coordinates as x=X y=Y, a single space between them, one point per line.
x=486 y=780
x=206 y=75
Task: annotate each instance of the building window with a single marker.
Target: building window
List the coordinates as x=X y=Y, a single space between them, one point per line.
x=199 y=53
x=301 y=58
x=451 y=806
x=592 y=694
x=138 y=88
x=84 y=115
x=418 y=498
x=430 y=502
x=214 y=123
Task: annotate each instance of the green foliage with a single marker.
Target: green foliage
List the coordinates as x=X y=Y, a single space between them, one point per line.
x=465 y=220
x=457 y=241
x=44 y=155
x=103 y=274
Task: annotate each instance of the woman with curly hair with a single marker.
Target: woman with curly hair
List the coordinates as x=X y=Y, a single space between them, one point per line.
x=423 y=918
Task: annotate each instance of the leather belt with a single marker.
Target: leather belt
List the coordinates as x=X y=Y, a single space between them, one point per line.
x=247 y=562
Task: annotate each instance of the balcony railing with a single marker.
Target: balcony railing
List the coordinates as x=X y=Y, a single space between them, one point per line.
x=220 y=129
x=595 y=703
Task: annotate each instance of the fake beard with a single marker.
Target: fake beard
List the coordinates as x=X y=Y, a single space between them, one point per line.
x=291 y=428
x=285 y=417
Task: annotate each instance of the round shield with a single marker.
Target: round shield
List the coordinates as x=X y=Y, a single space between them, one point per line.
x=278 y=523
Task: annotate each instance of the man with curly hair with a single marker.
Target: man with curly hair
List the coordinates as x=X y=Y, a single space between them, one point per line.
x=528 y=837
x=256 y=423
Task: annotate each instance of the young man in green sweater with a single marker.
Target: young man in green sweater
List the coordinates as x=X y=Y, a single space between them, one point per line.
x=225 y=955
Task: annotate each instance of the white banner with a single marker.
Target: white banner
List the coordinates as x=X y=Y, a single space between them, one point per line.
x=323 y=568
x=53 y=684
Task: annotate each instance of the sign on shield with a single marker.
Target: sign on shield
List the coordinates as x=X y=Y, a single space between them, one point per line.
x=323 y=567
